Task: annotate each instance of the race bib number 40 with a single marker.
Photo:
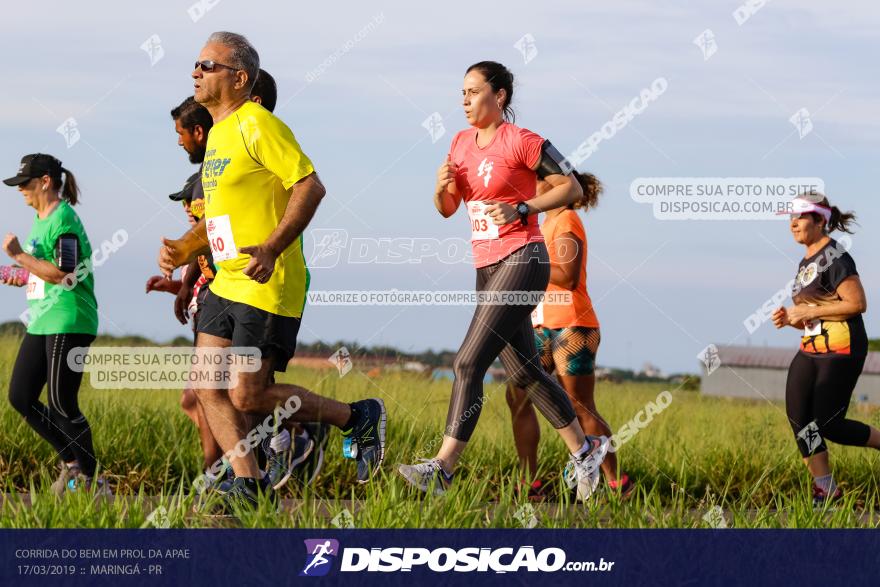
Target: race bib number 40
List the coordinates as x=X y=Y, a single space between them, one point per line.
x=220 y=238
x=482 y=227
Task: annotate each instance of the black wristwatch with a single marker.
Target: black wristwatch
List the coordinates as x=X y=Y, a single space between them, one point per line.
x=523 y=210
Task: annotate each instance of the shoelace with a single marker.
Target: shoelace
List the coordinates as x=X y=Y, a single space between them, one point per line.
x=365 y=431
x=365 y=436
x=239 y=495
x=428 y=468
x=281 y=441
x=589 y=463
x=589 y=459
x=569 y=474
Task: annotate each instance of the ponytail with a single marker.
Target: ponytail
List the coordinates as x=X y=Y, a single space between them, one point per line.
x=591 y=187
x=69 y=191
x=841 y=221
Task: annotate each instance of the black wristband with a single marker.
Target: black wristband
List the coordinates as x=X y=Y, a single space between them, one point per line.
x=523 y=210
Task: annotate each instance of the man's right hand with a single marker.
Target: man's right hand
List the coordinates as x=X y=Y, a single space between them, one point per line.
x=175 y=253
x=171 y=256
x=181 y=303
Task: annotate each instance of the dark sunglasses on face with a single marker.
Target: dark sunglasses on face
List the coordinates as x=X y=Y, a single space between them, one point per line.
x=209 y=66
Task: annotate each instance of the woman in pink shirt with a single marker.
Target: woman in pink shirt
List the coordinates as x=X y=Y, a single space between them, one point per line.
x=493 y=167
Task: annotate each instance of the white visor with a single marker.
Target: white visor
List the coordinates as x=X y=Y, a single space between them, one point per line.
x=803 y=206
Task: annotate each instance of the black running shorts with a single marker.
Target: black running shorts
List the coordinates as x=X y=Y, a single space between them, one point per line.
x=247 y=326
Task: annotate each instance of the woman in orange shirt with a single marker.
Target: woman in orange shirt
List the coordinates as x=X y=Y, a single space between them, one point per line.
x=567 y=337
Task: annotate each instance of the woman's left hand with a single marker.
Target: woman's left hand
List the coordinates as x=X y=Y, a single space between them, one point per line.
x=11 y=245
x=501 y=213
x=798 y=313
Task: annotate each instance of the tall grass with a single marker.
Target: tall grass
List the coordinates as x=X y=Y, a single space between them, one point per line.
x=698 y=453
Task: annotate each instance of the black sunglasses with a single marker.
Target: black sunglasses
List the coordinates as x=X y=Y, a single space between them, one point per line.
x=209 y=66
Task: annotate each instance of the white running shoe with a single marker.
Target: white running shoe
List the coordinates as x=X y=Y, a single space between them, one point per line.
x=59 y=486
x=585 y=473
x=427 y=475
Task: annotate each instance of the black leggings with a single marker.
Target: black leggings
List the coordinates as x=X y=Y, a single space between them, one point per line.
x=818 y=390
x=505 y=331
x=42 y=359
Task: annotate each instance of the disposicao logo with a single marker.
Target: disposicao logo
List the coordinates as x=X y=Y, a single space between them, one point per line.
x=321 y=552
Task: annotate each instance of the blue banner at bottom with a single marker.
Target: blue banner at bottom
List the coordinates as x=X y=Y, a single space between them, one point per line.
x=327 y=557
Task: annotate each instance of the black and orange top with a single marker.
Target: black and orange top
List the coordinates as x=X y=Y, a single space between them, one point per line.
x=816 y=284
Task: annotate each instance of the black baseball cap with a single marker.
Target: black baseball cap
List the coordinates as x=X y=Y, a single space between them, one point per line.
x=187 y=192
x=36 y=165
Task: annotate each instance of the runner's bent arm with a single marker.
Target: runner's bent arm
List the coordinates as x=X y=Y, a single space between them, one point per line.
x=192 y=274
x=566 y=190
x=852 y=302
x=446 y=196
x=305 y=196
x=569 y=252
x=185 y=291
x=175 y=253
x=45 y=270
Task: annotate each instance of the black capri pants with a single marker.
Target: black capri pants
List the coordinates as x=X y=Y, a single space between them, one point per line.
x=42 y=361
x=818 y=391
x=505 y=331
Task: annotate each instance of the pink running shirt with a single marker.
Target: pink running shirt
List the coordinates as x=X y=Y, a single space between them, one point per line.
x=499 y=172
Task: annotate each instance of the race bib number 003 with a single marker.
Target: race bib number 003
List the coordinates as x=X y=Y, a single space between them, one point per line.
x=482 y=227
x=220 y=238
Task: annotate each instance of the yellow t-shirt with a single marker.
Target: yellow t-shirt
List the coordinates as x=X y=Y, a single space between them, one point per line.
x=252 y=159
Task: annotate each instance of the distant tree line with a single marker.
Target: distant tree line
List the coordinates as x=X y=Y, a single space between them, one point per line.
x=431 y=358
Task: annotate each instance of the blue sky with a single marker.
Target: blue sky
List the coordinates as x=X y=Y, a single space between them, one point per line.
x=663 y=289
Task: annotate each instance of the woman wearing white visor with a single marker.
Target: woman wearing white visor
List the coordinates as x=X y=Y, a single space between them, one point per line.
x=828 y=305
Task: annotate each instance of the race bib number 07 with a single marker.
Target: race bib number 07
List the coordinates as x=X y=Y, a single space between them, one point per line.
x=220 y=238
x=482 y=227
x=36 y=288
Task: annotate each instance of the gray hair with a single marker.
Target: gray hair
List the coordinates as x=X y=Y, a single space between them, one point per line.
x=243 y=56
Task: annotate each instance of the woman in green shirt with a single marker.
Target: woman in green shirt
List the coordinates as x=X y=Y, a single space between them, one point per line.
x=62 y=314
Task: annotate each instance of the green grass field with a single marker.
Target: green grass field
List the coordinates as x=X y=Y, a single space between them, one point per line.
x=697 y=454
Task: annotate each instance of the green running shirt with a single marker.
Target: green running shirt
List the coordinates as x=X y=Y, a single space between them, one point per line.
x=66 y=308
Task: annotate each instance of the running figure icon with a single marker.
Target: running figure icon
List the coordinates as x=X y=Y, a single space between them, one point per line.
x=318 y=553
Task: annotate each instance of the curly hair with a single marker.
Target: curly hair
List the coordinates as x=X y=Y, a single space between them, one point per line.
x=592 y=188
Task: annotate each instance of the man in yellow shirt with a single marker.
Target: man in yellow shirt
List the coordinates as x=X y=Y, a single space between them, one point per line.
x=261 y=191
